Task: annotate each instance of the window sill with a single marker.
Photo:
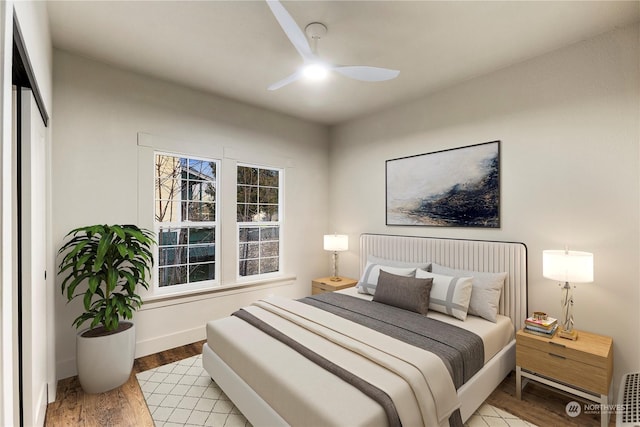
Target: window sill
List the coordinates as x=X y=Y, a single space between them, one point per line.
x=152 y=302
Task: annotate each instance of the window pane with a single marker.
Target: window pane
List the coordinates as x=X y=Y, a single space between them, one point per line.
x=202 y=170
x=202 y=235
x=200 y=191
x=269 y=233
x=249 y=250
x=249 y=267
x=167 y=189
x=268 y=265
x=249 y=234
x=269 y=249
x=247 y=175
x=200 y=272
x=170 y=276
x=202 y=254
x=268 y=213
x=247 y=212
x=201 y=211
x=172 y=236
x=268 y=195
x=269 y=177
x=167 y=210
x=247 y=194
x=167 y=167
x=172 y=255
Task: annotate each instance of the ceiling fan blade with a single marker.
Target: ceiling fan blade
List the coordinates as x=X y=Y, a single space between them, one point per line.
x=289 y=79
x=366 y=73
x=291 y=29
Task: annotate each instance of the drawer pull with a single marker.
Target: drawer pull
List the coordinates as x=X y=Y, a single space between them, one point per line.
x=557 y=355
x=557 y=344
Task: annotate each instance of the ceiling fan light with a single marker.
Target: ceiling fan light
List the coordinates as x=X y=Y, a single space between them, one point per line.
x=315 y=71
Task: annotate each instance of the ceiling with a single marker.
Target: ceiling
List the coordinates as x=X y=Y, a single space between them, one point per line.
x=236 y=49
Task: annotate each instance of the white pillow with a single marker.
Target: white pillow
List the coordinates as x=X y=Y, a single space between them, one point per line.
x=369 y=280
x=449 y=295
x=485 y=296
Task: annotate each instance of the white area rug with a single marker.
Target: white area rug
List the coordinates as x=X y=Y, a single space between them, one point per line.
x=183 y=394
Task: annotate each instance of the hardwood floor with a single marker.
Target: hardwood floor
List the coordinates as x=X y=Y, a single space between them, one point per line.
x=541 y=405
x=125 y=406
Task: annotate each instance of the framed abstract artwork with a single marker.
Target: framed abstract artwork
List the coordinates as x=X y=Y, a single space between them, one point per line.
x=459 y=187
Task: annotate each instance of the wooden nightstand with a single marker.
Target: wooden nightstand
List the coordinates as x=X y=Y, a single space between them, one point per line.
x=324 y=284
x=583 y=367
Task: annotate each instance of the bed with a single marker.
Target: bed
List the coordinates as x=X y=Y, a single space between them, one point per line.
x=274 y=385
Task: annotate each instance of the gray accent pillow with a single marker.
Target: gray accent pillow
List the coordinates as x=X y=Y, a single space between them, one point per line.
x=403 y=292
x=426 y=266
x=485 y=293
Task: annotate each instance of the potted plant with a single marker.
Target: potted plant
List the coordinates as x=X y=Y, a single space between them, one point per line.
x=103 y=265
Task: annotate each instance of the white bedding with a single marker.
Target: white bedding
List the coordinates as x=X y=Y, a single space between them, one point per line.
x=381 y=360
x=305 y=393
x=306 y=396
x=495 y=336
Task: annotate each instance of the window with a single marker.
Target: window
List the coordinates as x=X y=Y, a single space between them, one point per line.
x=185 y=220
x=259 y=220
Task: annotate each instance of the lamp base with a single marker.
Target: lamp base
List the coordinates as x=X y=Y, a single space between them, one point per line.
x=570 y=335
x=336 y=279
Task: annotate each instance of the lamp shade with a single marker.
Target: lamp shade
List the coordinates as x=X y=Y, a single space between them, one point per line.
x=336 y=242
x=567 y=266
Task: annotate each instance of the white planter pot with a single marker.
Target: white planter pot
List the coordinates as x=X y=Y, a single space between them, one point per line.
x=105 y=362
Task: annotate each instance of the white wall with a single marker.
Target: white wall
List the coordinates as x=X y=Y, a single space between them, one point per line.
x=569 y=126
x=100 y=111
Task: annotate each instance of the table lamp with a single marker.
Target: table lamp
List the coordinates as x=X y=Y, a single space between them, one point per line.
x=336 y=243
x=567 y=266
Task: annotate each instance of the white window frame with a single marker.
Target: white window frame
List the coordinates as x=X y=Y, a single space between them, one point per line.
x=260 y=224
x=193 y=286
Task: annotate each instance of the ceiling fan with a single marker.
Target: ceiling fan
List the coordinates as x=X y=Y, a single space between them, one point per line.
x=314 y=67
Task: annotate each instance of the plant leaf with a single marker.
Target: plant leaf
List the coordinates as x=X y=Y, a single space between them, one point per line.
x=103 y=247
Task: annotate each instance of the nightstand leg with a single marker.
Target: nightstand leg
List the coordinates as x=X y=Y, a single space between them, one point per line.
x=604 y=414
x=518 y=382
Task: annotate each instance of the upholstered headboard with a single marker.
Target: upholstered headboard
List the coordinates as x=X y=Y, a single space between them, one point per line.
x=476 y=255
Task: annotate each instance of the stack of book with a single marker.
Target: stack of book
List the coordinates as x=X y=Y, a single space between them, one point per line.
x=543 y=327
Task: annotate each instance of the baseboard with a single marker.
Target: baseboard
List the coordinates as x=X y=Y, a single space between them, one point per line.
x=166 y=342
x=67 y=368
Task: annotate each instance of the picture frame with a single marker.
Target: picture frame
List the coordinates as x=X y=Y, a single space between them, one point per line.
x=457 y=187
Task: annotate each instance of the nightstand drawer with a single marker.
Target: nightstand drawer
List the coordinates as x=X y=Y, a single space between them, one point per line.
x=325 y=287
x=561 y=366
x=565 y=348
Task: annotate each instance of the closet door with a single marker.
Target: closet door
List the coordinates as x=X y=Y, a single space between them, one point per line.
x=33 y=301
